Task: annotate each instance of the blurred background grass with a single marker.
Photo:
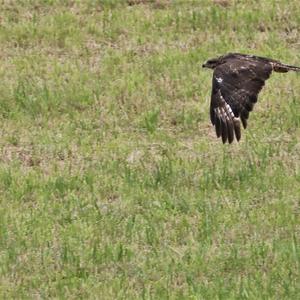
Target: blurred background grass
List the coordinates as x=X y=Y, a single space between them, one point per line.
x=113 y=184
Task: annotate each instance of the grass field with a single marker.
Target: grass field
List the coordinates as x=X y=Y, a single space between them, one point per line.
x=112 y=182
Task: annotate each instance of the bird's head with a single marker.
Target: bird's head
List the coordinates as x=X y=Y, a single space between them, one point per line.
x=211 y=63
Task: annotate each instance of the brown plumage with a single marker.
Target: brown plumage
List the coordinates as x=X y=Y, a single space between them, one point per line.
x=237 y=81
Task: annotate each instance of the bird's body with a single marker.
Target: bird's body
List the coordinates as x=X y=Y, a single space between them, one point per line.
x=237 y=81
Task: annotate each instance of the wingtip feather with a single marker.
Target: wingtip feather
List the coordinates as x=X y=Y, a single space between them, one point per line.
x=224 y=132
x=237 y=128
x=230 y=131
x=244 y=121
x=218 y=127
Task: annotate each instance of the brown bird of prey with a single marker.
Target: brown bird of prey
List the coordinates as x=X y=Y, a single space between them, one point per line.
x=237 y=81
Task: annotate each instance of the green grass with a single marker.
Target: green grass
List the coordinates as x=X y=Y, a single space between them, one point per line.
x=112 y=182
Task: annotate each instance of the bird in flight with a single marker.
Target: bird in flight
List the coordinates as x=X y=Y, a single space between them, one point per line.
x=237 y=81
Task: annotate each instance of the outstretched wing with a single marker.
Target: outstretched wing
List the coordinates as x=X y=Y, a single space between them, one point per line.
x=236 y=85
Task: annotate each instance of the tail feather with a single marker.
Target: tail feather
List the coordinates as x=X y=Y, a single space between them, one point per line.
x=283 y=68
x=293 y=68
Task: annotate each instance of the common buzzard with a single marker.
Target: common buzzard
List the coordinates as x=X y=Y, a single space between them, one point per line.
x=237 y=81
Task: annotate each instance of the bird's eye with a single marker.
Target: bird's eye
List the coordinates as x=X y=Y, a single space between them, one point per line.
x=212 y=62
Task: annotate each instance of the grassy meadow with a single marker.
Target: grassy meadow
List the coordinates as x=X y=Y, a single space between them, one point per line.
x=112 y=182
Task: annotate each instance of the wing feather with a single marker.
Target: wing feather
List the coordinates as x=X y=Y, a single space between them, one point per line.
x=236 y=85
x=237 y=128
